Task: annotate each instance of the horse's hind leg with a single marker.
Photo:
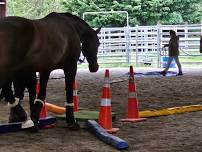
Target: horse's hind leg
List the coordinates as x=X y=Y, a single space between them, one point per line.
x=15 y=106
x=20 y=82
x=13 y=103
x=70 y=74
x=1 y=94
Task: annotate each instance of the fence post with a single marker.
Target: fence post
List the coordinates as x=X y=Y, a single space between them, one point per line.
x=136 y=45
x=159 y=44
x=186 y=36
x=2 y=8
x=201 y=25
x=127 y=44
x=102 y=41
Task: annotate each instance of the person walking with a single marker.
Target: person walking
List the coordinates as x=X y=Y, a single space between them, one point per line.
x=173 y=53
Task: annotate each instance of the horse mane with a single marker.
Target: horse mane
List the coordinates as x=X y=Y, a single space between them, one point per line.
x=88 y=30
x=74 y=17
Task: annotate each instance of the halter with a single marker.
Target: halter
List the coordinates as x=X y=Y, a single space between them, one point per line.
x=82 y=60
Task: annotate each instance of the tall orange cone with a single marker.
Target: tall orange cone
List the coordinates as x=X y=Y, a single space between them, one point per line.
x=133 y=110
x=37 y=85
x=75 y=98
x=105 y=117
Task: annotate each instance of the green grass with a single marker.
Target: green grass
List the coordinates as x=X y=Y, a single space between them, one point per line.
x=186 y=61
x=193 y=59
x=116 y=65
x=84 y=65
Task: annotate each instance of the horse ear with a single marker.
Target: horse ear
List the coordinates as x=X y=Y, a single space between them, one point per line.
x=98 y=30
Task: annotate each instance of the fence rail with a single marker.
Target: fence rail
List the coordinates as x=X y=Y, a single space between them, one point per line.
x=142 y=44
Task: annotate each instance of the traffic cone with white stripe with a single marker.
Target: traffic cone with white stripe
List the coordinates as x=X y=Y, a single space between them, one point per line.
x=105 y=116
x=75 y=98
x=37 y=85
x=133 y=110
x=43 y=113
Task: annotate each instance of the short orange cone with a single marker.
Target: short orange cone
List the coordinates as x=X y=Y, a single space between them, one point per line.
x=75 y=98
x=133 y=111
x=105 y=117
x=43 y=113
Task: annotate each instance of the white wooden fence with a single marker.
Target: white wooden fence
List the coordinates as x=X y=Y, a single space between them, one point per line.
x=142 y=44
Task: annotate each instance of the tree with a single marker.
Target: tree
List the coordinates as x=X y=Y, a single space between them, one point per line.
x=33 y=8
x=141 y=12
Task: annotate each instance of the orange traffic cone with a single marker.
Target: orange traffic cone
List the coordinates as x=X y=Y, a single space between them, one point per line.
x=105 y=117
x=37 y=86
x=75 y=98
x=133 y=111
x=43 y=112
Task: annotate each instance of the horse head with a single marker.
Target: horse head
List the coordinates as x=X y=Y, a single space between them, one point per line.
x=90 y=46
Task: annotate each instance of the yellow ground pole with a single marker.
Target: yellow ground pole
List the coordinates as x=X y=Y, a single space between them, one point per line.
x=144 y=114
x=170 y=111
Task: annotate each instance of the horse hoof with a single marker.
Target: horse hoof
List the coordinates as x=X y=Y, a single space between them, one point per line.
x=27 y=124
x=33 y=129
x=73 y=126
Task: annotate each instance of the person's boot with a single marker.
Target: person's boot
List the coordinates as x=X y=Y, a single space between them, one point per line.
x=163 y=73
x=180 y=73
x=71 y=121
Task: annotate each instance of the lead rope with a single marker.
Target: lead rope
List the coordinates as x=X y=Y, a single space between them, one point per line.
x=188 y=53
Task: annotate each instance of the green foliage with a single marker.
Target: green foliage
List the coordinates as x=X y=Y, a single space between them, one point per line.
x=33 y=8
x=141 y=12
x=173 y=18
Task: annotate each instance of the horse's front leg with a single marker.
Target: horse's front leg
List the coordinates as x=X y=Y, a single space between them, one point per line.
x=39 y=101
x=70 y=74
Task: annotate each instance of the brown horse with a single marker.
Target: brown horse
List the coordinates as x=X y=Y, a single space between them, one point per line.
x=53 y=42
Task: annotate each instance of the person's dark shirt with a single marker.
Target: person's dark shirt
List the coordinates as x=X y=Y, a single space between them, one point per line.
x=173 y=46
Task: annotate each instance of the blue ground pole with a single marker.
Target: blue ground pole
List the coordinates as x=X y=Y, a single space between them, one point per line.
x=13 y=127
x=110 y=139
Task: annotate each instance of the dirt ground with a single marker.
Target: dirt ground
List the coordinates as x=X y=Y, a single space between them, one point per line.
x=173 y=133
